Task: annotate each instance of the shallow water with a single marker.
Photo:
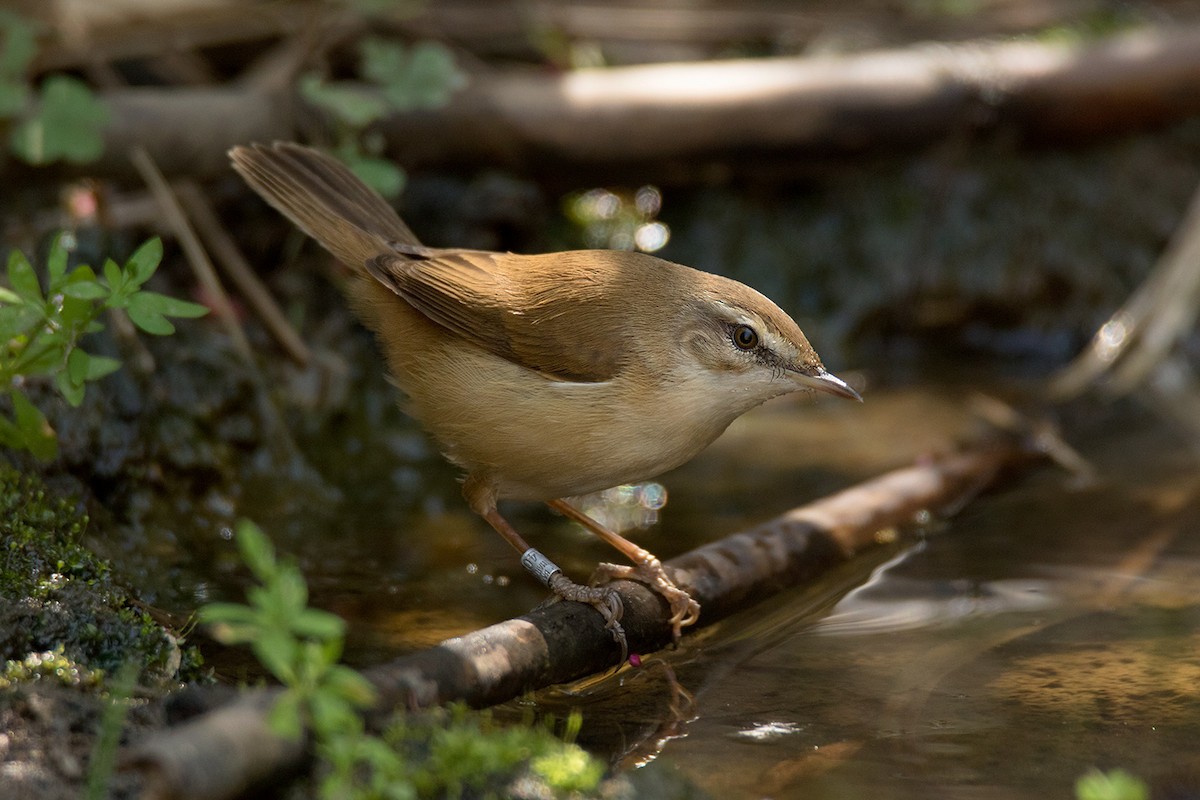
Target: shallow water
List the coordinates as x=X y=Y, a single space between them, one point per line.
x=1047 y=628
x=1051 y=625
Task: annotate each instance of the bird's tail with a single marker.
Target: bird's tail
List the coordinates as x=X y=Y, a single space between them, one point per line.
x=323 y=198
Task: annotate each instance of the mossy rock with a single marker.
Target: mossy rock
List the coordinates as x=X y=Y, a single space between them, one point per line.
x=62 y=614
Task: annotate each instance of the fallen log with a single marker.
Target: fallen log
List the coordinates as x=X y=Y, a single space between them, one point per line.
x=664 y=120
x=227 y=751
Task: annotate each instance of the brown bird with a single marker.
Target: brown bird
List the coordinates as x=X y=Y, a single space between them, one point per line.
x=548 y=376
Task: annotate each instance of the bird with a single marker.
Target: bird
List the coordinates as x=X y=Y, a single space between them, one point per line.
x=545 y=377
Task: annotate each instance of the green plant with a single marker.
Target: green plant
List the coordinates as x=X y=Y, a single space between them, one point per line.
x=63 y=120
x=1115 y=785
x=108 y=737
x=40 y=332
x=439 y=754
x=300 y=647
x=398 y=77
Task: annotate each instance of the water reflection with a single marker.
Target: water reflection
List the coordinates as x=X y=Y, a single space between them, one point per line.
x=887 y=603
x=1049 y=628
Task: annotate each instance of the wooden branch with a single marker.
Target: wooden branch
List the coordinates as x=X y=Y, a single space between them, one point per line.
x=81 y=33
x=672 y=117
x=207 y=757
x=1141 y=334
x=811 y=108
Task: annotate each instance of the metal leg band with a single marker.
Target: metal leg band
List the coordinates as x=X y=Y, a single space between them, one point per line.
x=539 y=566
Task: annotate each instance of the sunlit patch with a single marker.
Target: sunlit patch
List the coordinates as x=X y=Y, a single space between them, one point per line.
x=766 y=731
x=906 y=604
x=886 y=535
x=625 y=507
x=651 y=236
x=1111 y=338
x=487 y=578
x=648 y=200
x=616 y=220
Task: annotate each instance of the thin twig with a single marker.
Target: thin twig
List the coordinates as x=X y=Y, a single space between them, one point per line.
x=1137 y=338
x=230 y=257
x=207 y=276
x=196 y=256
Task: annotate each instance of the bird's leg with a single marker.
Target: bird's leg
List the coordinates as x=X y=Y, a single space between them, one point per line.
x=604 y=600
x=647 y=568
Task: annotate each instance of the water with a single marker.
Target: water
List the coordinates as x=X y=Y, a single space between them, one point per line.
x=1046 y=629
x=1051 y=625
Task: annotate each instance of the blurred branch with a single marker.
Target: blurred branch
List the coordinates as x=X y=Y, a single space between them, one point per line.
x=83 y=32
x=671 y=118
x=1136 y=340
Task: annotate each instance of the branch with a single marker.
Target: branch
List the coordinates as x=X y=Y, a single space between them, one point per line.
x=222 y=753
x=1139 y=337
x=804 y=109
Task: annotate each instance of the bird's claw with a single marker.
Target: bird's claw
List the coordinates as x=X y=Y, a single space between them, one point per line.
x=684 y=610
x=603 y=599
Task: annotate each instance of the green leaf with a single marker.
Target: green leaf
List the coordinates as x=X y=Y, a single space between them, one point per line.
x=231 y=633
x=146 y=317
x=101 y=366
x=313 y=623
x=39 y=437
x=14 y=97
x=8 y=296
x=23 y=279
x=43 y=354
x=114 y=276
x=144 y=261
x=85 y=290
x=56 y=263
x=277 y=651
x=170 y=306
x=228 y=614
x=380 y=174
x=77 y=365
x=69 y=124
x=284 y=717
x=18 y=44
x=255 y=549
x=1115 y=785
x=349 y=104
x=381 y=60
x=82 y=366
x=10 y=434
x=71 y=391
x=291 y=591
x=17 y=320
x=76 y=315
x=331 y=714
x=351 y=685
x=423 y=76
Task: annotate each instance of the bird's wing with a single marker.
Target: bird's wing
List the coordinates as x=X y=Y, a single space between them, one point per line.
x=553 y=314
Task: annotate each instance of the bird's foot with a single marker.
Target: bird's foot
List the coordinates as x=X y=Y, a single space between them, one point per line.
x=603 y=599
x=684 y=610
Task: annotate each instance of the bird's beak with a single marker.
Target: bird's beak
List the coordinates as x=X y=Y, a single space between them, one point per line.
x=827 y=382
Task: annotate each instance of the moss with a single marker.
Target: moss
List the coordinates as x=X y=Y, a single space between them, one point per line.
x=61 y=611
x=454 y=752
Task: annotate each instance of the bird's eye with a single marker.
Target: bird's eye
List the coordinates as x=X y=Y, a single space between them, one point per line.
x=745 y=337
